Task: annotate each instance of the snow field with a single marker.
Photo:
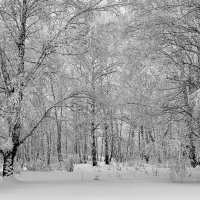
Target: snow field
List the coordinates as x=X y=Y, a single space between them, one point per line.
x=101 y=183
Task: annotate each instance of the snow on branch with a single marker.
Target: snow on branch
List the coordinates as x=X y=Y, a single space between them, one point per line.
x=7 y=146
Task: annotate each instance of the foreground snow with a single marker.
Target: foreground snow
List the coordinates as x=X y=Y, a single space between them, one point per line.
x=101 y=182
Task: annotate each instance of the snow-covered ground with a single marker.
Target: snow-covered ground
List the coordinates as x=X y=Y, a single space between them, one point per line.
x=101 y=182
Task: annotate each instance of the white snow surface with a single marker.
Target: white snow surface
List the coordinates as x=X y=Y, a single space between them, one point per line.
x=101 y=183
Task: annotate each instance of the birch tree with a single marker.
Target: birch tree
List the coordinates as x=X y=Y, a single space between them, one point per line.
x=31 y=32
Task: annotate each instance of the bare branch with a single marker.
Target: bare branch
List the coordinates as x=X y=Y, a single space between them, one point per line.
x=46 y=113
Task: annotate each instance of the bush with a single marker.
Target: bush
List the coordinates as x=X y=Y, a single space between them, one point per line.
x=70 y=162
x=178 y=170
x=38 y=166
x=70 y=165
x=67 y=164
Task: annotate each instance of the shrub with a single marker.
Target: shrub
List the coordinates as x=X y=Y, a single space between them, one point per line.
x=38 y=166
x=178 y=169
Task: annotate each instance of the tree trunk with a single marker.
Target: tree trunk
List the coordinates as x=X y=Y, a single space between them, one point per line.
x=9 y=148
x=107 y=161
x=112 y=141
x=102 y=148
x=94 y=151
x=8 y=163
x=192 y=150
x=66 y=145
x=139 y=142
x=85 y=148
x=142 y=142
x=59 y=147
x=59 y=126
x=94 y=148
x=48 y=148
x=8 y=151
x=112 y=148
x=120 y=142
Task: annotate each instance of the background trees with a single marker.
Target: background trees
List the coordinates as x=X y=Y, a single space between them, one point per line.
x=99 y=80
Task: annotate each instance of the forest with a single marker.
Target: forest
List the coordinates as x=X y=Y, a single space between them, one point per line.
x=99 y=81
